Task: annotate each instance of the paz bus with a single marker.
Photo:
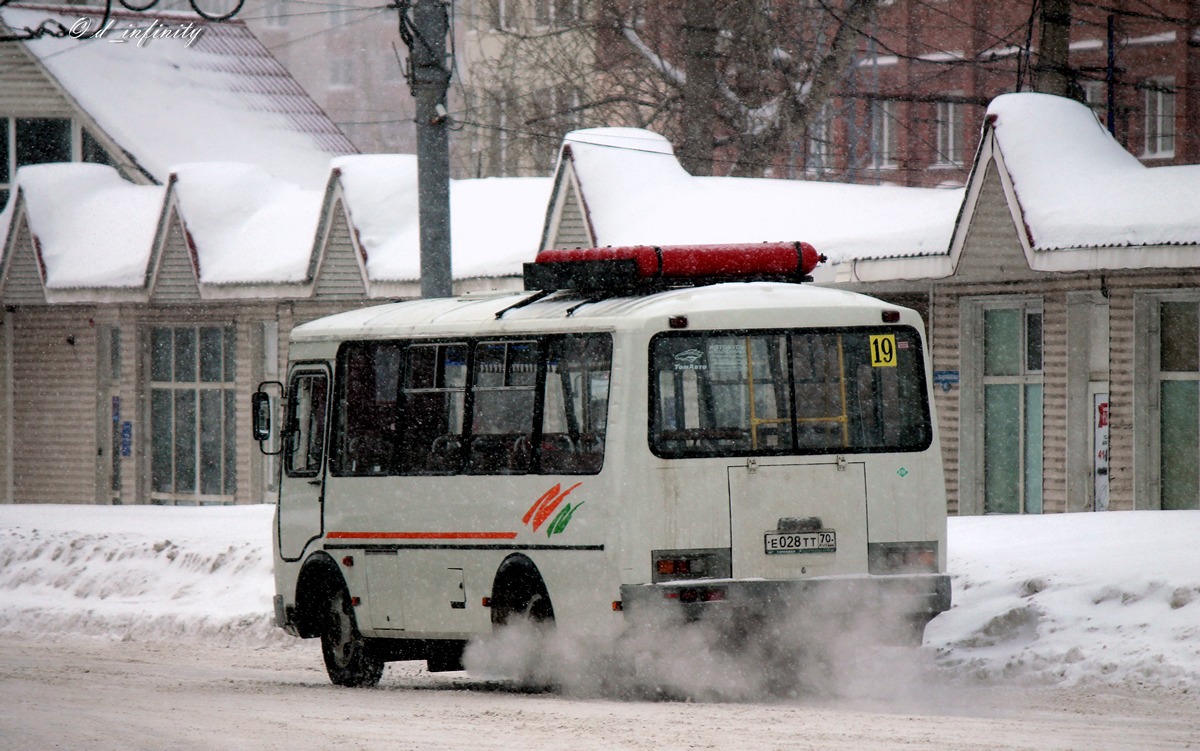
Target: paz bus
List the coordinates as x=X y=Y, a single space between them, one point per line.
x=685 y=429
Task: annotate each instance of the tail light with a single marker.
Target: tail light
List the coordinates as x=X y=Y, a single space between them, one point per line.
x=702 y=563
x=902 y=557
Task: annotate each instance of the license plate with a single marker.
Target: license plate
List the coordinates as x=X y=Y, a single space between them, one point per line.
x=821 y=541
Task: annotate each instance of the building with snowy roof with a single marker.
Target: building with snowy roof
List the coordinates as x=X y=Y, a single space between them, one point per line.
x=142 y=306
x=625 y=186
x=1064 y=315
x=140 y=317
x=174 y=207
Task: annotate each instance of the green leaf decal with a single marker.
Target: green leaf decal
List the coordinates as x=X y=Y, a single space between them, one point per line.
x=561 y=520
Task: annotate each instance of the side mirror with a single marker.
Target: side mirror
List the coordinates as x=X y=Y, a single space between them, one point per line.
x=260 y=410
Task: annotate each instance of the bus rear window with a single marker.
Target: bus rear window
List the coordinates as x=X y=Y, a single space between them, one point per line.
x=810 y=391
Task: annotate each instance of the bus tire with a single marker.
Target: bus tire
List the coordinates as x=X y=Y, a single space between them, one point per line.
x=349 y=658
x=520 y=595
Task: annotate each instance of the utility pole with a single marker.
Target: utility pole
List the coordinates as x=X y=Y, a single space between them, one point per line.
x=700 y=86
x=1052 y=72
x=423 y=28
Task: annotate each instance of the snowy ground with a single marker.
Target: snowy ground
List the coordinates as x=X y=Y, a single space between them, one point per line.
x=1082 y=600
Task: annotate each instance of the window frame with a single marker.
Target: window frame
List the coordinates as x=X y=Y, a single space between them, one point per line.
x=918 y=375
x=1159 y=131
x=175 y=385
x=819 y=151
x=306 y=372
x=949 y=132
x=456 y=453
x=82 y=148
x=885 y=141
x=1029 y=373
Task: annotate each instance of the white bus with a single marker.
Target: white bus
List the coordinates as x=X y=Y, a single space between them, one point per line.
x=643 y=432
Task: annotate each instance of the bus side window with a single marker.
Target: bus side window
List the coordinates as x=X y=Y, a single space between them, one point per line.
x=503 y=390
x=305 y=425
x=575 y=404
x=367 y=414
x=431 y=433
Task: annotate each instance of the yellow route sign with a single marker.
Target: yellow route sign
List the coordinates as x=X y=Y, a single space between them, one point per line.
x=883 y=350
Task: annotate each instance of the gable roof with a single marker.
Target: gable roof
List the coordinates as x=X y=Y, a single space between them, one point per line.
x=1078 y=188
x=93 y=229
x=1078 y=201
x=231 y=231
x=248 y=227
x=494 y=222
x=166 y=101
x=632 y=191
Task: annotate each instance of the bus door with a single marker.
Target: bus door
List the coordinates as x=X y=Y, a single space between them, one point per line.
x=790 y=520
x=302 y=486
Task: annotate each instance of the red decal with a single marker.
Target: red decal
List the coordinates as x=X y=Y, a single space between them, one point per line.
x=549 y=494
x=543 y=507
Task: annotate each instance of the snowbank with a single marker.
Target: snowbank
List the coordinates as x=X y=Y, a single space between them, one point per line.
x=1075 y=599
x=137 y=572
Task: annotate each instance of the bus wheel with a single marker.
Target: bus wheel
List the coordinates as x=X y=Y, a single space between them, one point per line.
x=519 y=595
x=349 y=659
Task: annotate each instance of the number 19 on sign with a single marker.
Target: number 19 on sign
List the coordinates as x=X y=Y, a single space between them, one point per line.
x=883 y=350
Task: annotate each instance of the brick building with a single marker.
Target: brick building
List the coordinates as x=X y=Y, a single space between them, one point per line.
x=909 y=108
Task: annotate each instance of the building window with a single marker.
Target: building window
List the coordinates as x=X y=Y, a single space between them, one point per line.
x=338 y=15
x=41 y=140
x=1179 y=401
x=501 y=13
x=820 y=147
x=193 y=440
x=276 y=16
x=884 y=144
x=1159 y=95
x=496 y=152
x=1095 y=96
x=341 y=71
x=949 y=126
x=1012 y=410
x=558 y=14
x=555 y=113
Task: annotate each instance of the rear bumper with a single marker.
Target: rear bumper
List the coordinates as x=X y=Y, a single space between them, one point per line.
x=916 y=597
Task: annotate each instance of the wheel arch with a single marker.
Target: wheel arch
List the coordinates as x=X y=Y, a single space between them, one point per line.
x=517 y=584
x=319 y=578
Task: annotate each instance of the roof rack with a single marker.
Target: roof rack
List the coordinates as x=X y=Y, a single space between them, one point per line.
x=651 y=267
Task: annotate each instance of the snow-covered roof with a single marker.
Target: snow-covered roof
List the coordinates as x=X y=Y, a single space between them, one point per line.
x=92 y=229
x=495 y=223
x=1079 y=201
x=635 y=192
x=1078 y=188
x=220 y=96
x=248 y=226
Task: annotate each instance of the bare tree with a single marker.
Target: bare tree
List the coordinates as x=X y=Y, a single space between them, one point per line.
x=736 y=80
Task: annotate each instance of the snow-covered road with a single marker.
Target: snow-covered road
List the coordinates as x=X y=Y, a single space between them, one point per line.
x=149 y=627
x=106 y=695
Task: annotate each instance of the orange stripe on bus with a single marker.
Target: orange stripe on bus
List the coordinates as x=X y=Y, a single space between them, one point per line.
x=423 y=535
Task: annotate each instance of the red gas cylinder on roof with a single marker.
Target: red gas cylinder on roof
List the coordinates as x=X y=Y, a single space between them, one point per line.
x=653 y=266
